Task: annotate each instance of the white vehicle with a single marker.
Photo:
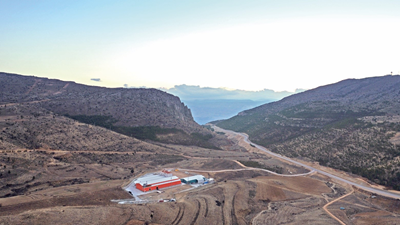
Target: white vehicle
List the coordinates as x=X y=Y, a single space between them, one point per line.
x=167 y=200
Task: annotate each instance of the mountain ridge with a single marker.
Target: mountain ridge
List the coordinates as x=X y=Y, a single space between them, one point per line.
x=347 y=125
x=131 y=106
x=146 y=114
x=309 y=95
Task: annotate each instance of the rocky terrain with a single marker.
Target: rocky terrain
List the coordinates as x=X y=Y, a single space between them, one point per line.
x=352 y=125
x=128 y=107
x=55 y=133
x=47 y=186
x=69 y=167
x=142 y=113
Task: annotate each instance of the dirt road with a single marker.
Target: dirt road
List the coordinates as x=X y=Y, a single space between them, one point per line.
x=329 y=203
x=250 y=168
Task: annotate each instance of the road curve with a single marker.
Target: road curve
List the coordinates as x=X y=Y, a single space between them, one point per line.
x=330 y=203
x=250 y=168
x=370 y=189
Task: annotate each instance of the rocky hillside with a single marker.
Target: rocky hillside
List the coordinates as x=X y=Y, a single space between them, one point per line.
x=147 y=114
x=353 y=125
x=129 y=107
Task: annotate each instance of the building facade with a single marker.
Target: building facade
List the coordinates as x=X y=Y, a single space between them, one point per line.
x=155 y=182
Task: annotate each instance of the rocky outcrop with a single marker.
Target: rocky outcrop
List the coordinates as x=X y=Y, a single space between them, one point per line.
x=127 y=107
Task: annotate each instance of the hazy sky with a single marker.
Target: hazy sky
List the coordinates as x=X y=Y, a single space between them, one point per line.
x=249 y=45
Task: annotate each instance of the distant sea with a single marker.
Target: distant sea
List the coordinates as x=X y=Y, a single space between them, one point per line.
x=205 y=111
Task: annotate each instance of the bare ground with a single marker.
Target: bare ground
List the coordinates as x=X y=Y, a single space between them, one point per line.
x=76 y=187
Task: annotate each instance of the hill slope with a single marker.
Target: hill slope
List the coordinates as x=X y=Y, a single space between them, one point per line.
x=142 y=113
x=352 y=125
x=130 y=107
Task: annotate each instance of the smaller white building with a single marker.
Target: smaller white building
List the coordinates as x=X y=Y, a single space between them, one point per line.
x=196 y=179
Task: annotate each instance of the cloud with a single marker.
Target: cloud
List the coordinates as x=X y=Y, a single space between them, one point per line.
x=96 y=79
x=189 y=92
x=127 y=86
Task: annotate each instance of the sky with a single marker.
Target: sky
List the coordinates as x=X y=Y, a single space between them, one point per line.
x=248 y=45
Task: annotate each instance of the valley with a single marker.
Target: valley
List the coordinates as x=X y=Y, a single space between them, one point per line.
x=61 y=165
x=199 y=112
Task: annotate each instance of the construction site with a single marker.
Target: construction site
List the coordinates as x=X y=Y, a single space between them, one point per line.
x=163 y=185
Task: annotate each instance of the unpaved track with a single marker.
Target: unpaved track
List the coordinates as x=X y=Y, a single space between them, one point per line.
x=249 y=168
x=61 y=152
x=329 y=203
x=254 y=220
x=234 y=218
x=197 y=213
x=179 y=217
x=206 y=207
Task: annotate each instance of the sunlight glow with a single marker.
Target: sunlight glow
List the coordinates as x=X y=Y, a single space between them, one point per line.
x=277 y=55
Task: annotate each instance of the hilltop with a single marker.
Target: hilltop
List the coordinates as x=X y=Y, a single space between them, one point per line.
x=352 y=125
x=147 y=114
x=129 y=107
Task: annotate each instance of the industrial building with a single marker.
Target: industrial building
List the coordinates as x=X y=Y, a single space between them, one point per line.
x=156 y=181
x=197 y=179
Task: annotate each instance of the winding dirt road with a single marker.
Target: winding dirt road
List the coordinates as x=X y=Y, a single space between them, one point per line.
x=249 y=168
x=329 y=203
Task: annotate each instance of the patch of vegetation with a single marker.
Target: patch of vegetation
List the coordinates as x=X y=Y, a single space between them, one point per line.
x=145 y=132
x=255 y=164
x=252 y=193
x=148 y=132
x=208 y=127
x=97 y=120
x=162 y=159
x=141 y=132
x=202 y=137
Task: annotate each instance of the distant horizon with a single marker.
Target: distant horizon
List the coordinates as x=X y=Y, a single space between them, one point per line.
x=99 y=83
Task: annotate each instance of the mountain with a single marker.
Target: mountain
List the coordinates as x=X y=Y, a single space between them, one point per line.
x=142 y=113
x=191 y=92
x=209 y=104
x=352 y=125
x=130 y=106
